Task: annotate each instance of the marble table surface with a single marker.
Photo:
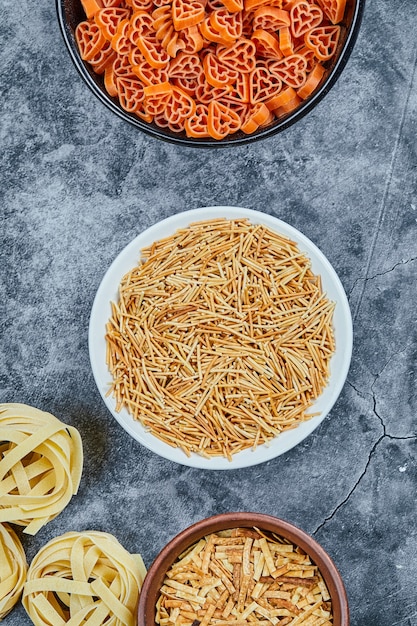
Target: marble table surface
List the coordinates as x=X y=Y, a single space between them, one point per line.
x=78 y=184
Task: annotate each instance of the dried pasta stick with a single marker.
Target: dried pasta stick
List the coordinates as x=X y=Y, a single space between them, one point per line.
x=221 y=338
x=187 y=598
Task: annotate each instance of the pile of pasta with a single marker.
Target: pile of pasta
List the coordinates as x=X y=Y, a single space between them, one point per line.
x=244 y=577
x=13 y=568
x=208 y=68
x=82 y=578
x=41 y=461
x=221 y=338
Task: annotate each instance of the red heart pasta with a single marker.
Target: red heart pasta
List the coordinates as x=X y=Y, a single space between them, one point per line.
x=233 y=53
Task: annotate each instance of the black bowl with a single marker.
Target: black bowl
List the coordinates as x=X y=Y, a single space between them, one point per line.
x=70 y=14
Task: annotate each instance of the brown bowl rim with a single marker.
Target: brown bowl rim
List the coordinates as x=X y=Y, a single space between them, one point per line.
x=223 y=521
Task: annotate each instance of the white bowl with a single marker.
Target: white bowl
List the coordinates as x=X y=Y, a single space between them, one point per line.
x=339 y=364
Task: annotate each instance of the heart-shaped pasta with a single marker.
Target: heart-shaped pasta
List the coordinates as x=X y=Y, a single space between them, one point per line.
x=41 y=462
x=80 y=577
x=13 y=568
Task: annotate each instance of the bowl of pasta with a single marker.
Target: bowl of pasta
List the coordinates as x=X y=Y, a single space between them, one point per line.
x=220 y=338
x=243 y=568
x=210 y=73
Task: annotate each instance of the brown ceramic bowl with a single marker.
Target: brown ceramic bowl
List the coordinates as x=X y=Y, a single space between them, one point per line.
x=167 y=556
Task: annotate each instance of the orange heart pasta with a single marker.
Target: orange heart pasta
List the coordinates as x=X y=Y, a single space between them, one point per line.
x=270 y=18
x=303 y=17
x=204 y=67
x=334 y=9
x=323 y=41
x=291 y=70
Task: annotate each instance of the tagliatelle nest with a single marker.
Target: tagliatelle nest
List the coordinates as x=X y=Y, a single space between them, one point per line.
x=84 y=578
x=41 y=461
x=13 y=567
x=221 y=339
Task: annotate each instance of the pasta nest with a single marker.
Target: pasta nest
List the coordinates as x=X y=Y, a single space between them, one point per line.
x=40 y=466
x=13 y=568
x=84 y=577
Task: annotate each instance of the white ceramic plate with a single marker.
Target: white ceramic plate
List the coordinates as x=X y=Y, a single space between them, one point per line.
x=129 y=257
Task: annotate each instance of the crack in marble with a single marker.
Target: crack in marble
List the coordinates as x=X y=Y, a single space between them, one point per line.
x=389 y=177
x=378 y=274
x=372 y=392
x=351 y=492
x=360 y=393
x=346 y=499
x=382 y=437
x=374 y=398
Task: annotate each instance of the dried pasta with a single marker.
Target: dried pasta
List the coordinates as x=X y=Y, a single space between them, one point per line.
x=233 y=57
x=41 y=462
x=244 y=576
x=221 y=339
x=13 y=568
x=81 y=578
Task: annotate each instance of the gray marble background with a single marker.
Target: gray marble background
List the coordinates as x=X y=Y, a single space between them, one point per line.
x=78 y=184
